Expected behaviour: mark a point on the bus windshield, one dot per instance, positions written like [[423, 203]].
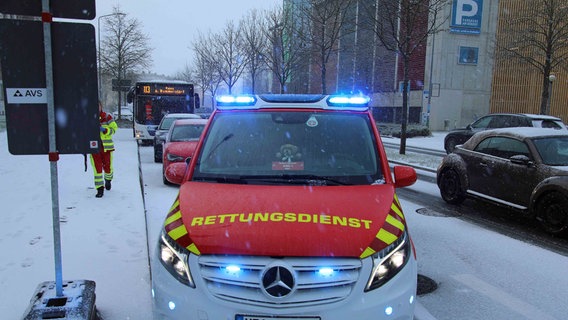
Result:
[[151, 100]]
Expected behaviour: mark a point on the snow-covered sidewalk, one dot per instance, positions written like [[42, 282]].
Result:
[[103, 240]]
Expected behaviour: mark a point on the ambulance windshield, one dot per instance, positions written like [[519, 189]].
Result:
[[300, 147]]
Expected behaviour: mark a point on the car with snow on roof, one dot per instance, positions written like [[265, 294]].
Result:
[[500, 120], [287, 210], [525, 169]]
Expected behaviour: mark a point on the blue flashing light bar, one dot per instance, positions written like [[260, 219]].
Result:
[[231, 100], [345, 100]]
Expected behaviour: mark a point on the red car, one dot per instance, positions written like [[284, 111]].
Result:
[[181, 141]]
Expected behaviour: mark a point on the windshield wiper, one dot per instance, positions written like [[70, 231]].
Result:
[[236, 179], [309, 179], [227, 137]]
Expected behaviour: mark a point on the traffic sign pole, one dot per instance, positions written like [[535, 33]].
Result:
[[53, 155]]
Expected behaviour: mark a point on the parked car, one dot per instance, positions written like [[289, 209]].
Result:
[[164, 127], [500, 120], [288, 210], [125, 113], [524, 169], [181, 141]]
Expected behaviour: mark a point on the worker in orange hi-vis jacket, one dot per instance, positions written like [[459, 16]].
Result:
[[102, 161]]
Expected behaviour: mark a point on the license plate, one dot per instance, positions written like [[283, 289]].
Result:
[[248, 317]]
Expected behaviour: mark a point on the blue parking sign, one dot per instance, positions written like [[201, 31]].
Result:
[[466, 16]]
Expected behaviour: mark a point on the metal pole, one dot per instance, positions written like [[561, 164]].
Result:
[[551, 79], [430, 87], [53, 155]]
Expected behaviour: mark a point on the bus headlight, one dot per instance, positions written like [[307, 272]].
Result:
[[175, 259], [389, 261]]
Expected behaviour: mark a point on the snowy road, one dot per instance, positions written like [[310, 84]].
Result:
[[481, 274]]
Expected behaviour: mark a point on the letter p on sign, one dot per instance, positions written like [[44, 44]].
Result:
[[465, 8]]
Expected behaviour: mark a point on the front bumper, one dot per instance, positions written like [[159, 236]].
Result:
[[395, 300]]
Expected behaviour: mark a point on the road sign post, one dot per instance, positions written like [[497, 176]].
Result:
[[33, 104]]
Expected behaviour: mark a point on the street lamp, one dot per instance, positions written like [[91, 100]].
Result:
[[551, 79], [99, 45]]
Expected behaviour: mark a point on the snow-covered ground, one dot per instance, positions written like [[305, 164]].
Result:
[[103, 240]]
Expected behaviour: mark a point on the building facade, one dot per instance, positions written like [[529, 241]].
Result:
[[519, 88], [455, 76], [468, 78], [460, 63]]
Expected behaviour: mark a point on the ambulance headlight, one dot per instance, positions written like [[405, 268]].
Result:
[[175, 259], [389, 261]]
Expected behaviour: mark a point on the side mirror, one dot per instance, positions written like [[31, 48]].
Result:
[[521, 159], [404, 176], [175, 172], [130, 95], [196, 100]]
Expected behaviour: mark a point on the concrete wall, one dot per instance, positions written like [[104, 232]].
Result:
[[464, 89]]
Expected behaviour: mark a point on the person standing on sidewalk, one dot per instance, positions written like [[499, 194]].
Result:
[[102, 161]]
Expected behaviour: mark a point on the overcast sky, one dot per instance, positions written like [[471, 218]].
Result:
[[173, 24]]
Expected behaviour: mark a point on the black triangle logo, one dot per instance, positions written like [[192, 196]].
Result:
[[18, 94]]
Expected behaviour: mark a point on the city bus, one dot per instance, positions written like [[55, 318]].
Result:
[[151, 100]]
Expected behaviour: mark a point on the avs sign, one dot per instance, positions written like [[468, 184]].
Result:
[[26, 95], [466, 16]]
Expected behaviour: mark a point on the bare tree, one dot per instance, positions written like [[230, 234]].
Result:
[[125, 49], [255, 43], [206, 72], [286, 49], [229, 54], [327, 18], [537, 36], [403, 26], [186, 74]]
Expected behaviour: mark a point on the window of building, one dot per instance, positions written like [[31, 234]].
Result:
[[468, 55]]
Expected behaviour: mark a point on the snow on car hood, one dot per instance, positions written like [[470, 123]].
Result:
[[183, 148], [346, 221]]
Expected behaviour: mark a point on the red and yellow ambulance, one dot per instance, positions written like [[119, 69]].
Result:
[[287, 210]]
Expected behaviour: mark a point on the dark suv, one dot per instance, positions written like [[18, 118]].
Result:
[[500, 120]]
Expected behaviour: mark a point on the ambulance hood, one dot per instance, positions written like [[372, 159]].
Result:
[[323, 221]]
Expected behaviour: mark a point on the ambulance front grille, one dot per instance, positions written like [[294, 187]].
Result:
[[312, 281]]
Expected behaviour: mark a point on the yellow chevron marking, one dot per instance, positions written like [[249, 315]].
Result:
[[386, 236], [178, 232], [367, 253], [175, 204], [395, 223], [397, 211], [173, 218], [193, 249]]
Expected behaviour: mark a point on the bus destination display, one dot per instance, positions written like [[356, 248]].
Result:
[[164, 89]]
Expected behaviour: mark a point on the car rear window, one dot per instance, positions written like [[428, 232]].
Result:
[[547, 124]]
